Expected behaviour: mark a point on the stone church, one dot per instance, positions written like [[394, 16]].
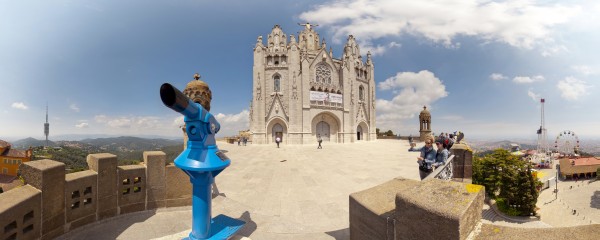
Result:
[[301, 92]]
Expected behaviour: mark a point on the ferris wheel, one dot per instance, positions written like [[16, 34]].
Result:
[[567, 142]]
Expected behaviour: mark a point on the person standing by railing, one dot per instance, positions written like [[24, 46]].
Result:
[[426, 159], [442, 153]]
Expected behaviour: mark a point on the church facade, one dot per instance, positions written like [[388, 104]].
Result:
[[302, 93]]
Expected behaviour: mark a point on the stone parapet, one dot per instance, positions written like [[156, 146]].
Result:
[[179, 190], [463, 161], [20, 213], [80, 198], [410, 209], [105, 165], [54, 203], [585, 232], [155, 162], [445, 210], [132, 188], [49, 177], [372, 210]]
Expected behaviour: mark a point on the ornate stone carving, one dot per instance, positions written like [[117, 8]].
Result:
[[373, 98], [258, 90], [199, 92], [294, 87]]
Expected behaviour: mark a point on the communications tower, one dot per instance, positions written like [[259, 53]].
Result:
[[46, 126], [542, 146]]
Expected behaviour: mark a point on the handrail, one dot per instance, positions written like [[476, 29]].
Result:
[[443, 172]]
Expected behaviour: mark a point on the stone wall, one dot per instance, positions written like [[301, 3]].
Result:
[[435, 209], [53, 203]]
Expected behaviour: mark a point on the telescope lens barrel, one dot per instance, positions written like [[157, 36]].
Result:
[[176, 100]]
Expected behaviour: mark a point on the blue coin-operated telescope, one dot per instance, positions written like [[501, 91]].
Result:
[[202, 161]]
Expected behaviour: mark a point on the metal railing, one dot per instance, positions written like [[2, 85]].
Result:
[[443, 172]]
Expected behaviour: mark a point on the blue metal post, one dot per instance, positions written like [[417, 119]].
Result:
[[201, 205]]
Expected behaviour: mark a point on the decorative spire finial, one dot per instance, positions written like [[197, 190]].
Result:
[[197, 76]]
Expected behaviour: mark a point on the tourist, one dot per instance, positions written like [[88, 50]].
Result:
[[412, 145], [239, 139], [245, 140], [442, 153], [277, 140], [319, 140], [426, 159]]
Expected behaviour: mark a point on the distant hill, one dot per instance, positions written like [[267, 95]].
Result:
[[505, 144], [128, 144], [129, 150], [25, 143]]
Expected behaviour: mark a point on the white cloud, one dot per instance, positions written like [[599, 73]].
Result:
[[572, 89], [584, 69], [74, 107], [523, 24], [497, 76], [82, 125], [534, 96], [19, 105], [452, 118], [415, 90], [231, 124], [178, 121], [521, 79]]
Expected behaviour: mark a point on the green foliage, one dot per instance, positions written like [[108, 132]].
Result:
[[505, 208], [598, 174], [507, 177], [75, 158], [389, 133], [377, 131]]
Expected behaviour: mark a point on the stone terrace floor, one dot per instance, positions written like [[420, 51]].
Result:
[[294, 192], [291, 192]]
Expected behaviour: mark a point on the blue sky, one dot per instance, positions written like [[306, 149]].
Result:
[[480, 66]]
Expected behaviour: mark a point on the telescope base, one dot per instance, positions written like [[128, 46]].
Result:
[[222, 227]]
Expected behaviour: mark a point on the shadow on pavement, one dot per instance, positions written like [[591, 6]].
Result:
[[249, 227], [341, 234], [109, 228], [595, 201]]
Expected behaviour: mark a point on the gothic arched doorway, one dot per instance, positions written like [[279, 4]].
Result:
[[277, 132], [323, 130], [359, 133]]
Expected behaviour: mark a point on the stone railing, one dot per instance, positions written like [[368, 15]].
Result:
[[436, 209], [443, 172], [53, 203]]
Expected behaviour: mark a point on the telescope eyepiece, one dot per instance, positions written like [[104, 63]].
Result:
[[167, 94], [176, 100]]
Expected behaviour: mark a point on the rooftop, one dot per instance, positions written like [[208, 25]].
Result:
[[294, 192]]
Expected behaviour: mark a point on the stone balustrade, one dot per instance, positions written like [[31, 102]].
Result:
[[443, 172], [53, 203], [437, 209]]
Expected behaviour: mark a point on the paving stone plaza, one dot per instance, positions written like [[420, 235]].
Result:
[[301, 192]]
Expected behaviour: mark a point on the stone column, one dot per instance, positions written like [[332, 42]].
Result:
[[105, 165], [49, 177], [155, 173], [463, 162], [437, 209]]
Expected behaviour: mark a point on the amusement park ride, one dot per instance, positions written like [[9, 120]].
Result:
[[566, 144], [542, 157]]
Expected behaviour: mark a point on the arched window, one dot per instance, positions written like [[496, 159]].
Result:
[[323, 73], [277, 83], [361, 93]]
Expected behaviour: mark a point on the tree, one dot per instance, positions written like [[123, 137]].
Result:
[[389, 133], [509, 180], [377, 131]]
